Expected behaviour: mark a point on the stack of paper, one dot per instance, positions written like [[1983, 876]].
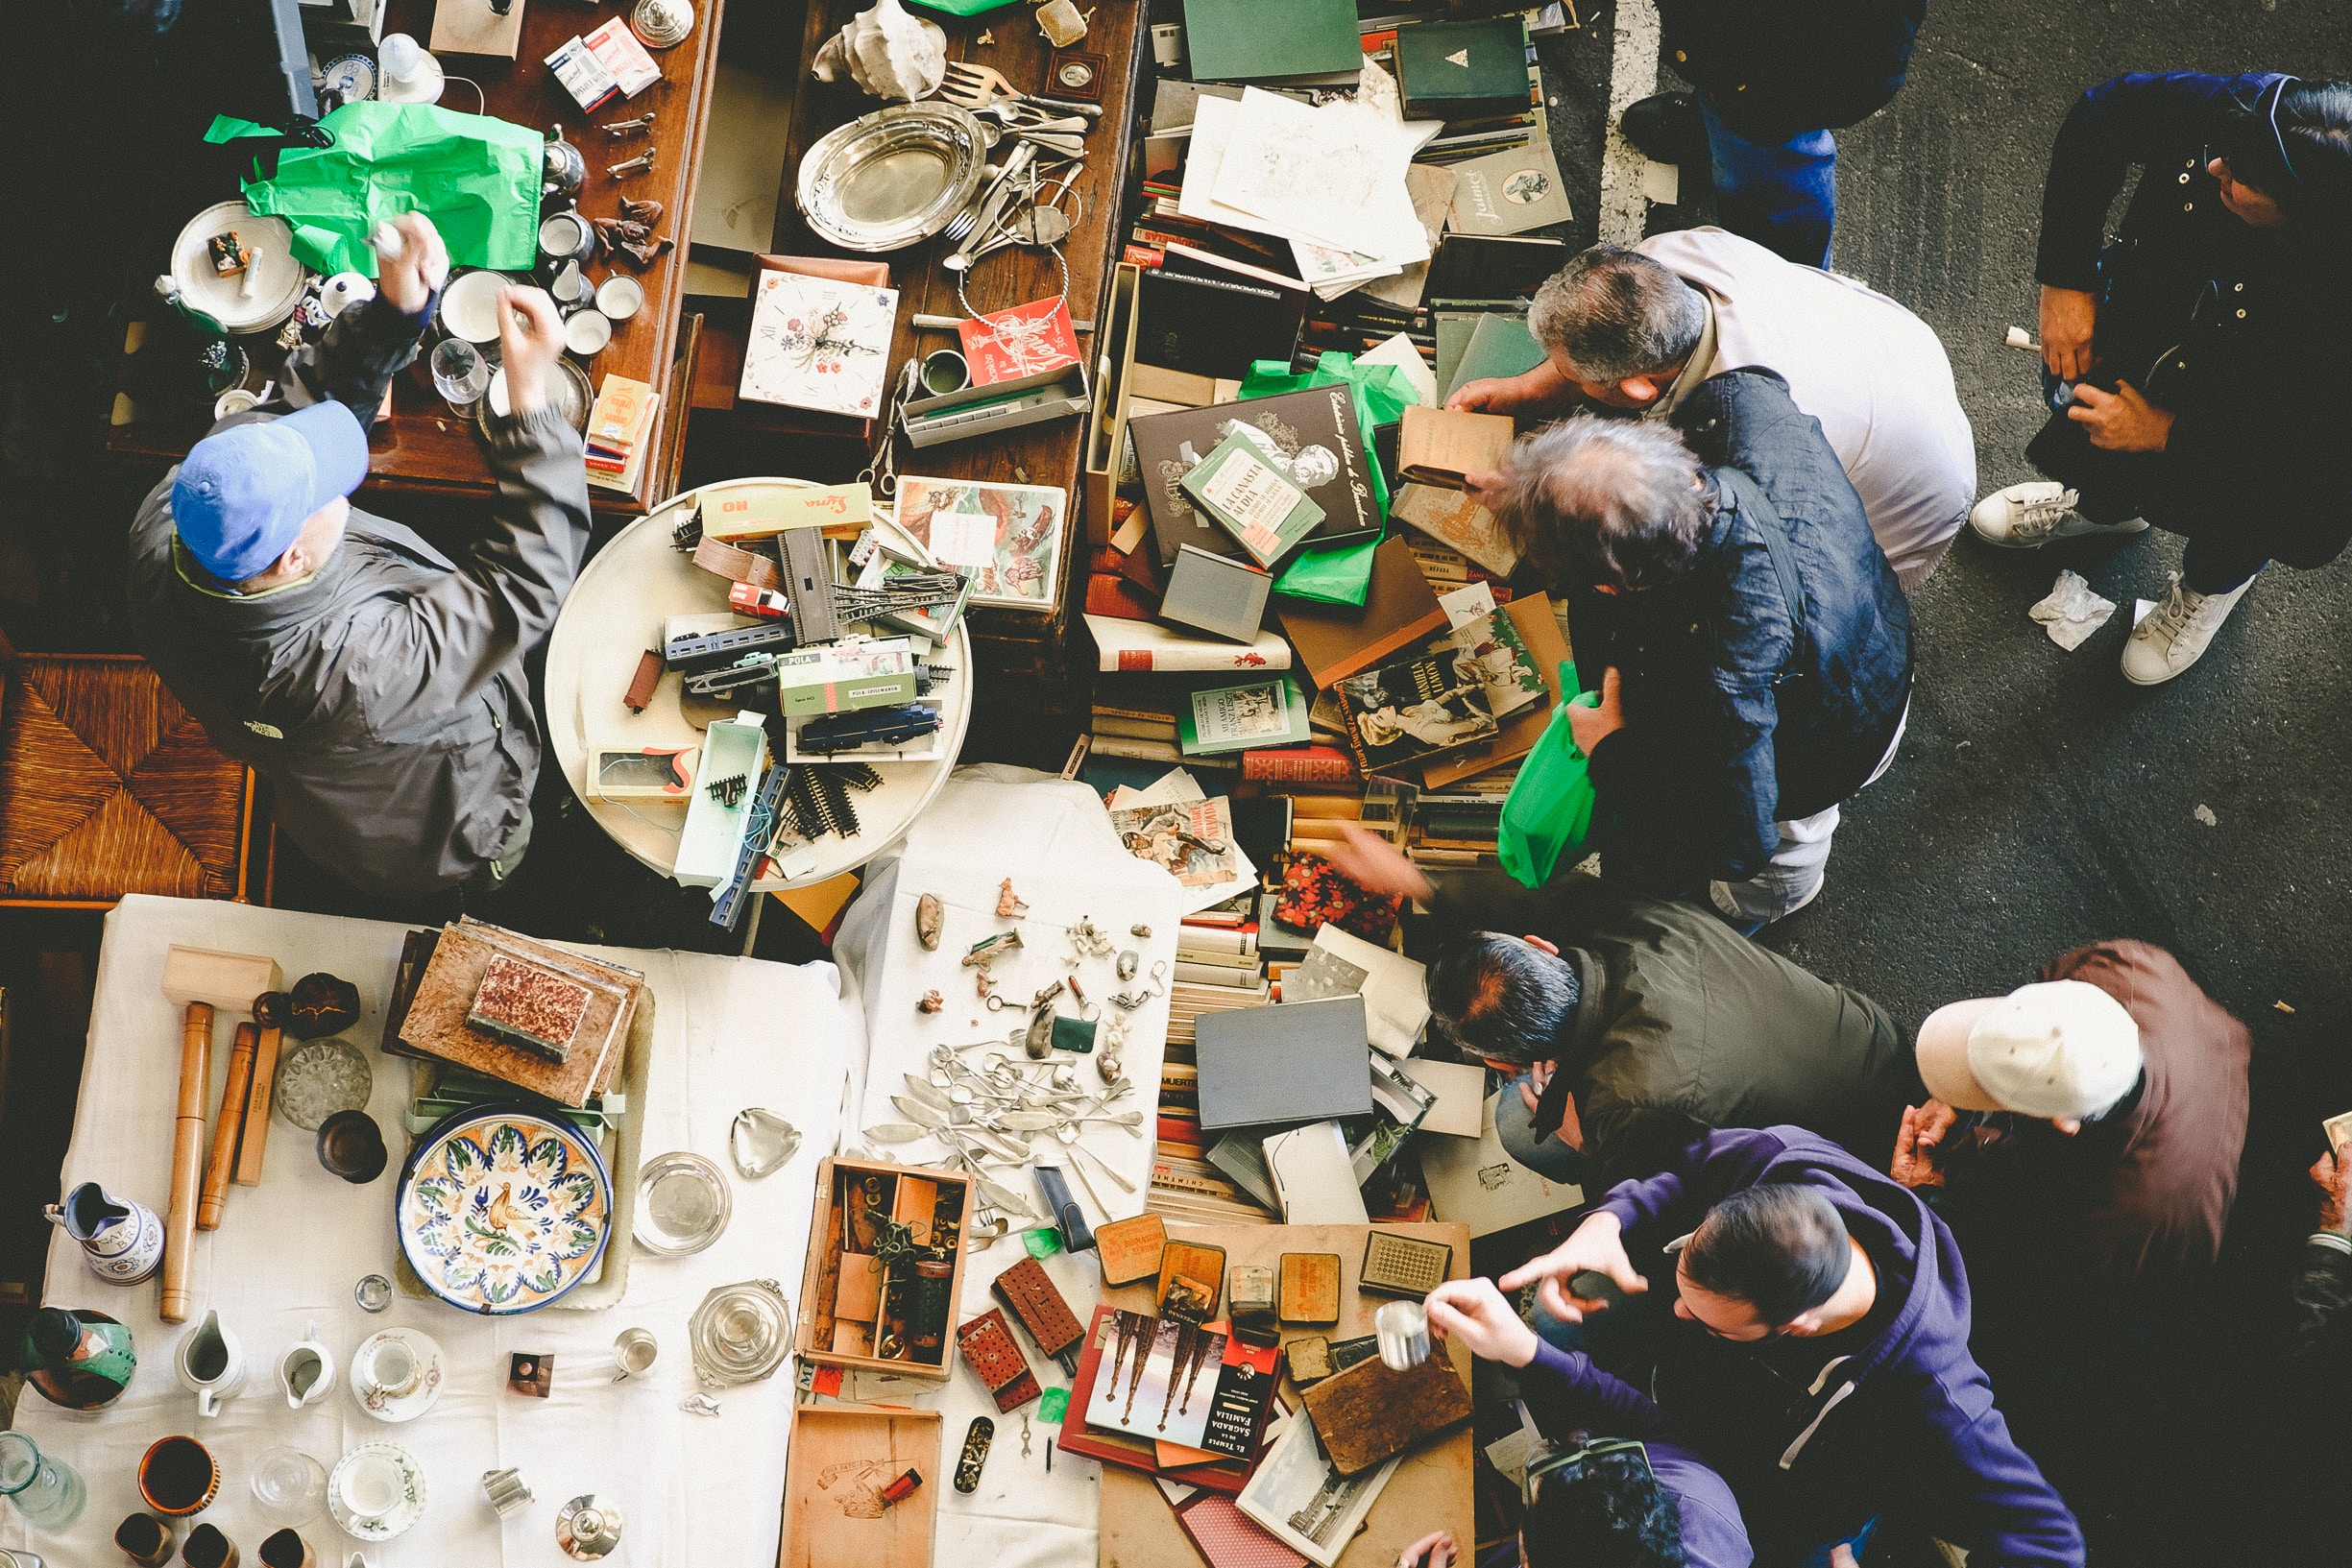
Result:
[[1236, 873]]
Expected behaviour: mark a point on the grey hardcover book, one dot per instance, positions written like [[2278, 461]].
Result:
[[1281, 1065], [1216, 593], [1509, 193]]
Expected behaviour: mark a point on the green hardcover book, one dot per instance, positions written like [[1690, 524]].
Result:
[[1275, 40], [1251, 500], [1499, 347], [1246, 718], [1463, 70]]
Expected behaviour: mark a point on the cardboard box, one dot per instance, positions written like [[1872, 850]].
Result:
[[843, 677], [838, 1325], [839, 1459], [755, 511]]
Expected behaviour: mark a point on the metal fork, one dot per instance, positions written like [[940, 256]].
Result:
[[970, 87]]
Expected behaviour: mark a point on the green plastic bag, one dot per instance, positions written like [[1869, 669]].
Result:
[[1548, 813], [476, 176], [1338, 574]]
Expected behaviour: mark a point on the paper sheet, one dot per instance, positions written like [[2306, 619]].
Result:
[[1334, 174], [1396, 1007], [2071, 612], [1402, 352]]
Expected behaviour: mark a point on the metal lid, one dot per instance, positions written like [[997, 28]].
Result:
[[740, 1332], [588, 1527]]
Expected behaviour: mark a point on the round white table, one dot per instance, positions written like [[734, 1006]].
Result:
[[616, 613]]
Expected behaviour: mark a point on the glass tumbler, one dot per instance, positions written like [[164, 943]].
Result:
[[48, 1492], [460, 374]]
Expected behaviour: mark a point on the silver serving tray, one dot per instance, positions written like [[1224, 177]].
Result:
[[894, 178]]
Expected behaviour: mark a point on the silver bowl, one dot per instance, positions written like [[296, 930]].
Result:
[[894, 178]]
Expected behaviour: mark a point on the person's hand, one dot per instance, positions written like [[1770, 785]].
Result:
[[1435, 1550], [1490, 396], [2123, 421], [1474, 1311], [1539, 1079], [1593, 724], [408, 279], [2069, 316], [2332, 1172], [530, 340], [1490, 487], [1374, 864], [1841, 1556], [1594, 1247], [1922, 1131]]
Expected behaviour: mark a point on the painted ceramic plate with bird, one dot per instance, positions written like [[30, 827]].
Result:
[[502, 1209]]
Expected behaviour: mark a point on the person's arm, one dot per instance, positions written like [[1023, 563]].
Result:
[[365, 346], [1540, 391], [1696, 813], [1983, 1492], [1564, 1392], [2111, 127], [2324, 1290], [1705, 1172], [438, 646]]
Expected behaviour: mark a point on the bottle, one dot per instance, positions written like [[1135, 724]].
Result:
[[48, 1492], [78, 1359]]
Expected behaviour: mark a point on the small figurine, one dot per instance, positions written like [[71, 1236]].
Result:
[[929, 918], [933, 1002], [319, 1006], [228, 251], [1128, 961], [984, 982], [1139, 928], [1038, 1039], [1008, 906], [990, 947]]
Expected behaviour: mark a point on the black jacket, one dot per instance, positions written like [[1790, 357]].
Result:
[[1733, 721], [2240, 332], [1774, 71]]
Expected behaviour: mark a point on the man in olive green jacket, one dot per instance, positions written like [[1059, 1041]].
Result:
[[1644, 1023]]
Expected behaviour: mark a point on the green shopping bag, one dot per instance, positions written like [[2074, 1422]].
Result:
[[476, 176], [1338, 574], [1548, 813]]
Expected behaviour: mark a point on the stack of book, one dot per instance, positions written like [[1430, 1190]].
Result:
[[620, 432], [510, 1009]]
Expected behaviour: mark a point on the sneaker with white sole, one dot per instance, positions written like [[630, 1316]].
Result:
[[2177, 631], [2025, 516]]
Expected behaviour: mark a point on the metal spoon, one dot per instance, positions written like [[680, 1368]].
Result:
[[1069, 1137]]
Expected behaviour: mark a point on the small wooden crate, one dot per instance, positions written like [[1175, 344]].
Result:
[[843, 1303], [841, 1458]]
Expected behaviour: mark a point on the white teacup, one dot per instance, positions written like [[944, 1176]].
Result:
[[371, 1486], [390, 1367]]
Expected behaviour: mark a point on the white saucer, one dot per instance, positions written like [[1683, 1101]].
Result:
[[430, 82], [401, 1517], [419, 1399]]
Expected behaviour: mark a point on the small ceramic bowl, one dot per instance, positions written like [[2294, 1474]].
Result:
[[620, 297], [587, 331]]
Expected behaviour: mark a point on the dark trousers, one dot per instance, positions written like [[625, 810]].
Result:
[[1782, 195]]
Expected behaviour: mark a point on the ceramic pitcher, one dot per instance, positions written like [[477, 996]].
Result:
[[121, 1241], [211, 1364], [306, 1371]]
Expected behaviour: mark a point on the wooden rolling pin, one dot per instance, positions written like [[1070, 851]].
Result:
[[187, 1158], [226, 1128]]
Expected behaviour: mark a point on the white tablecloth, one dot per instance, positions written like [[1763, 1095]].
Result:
[[1055, 841], [698, 1491]]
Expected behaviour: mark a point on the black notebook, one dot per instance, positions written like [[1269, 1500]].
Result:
[[1213, 328]]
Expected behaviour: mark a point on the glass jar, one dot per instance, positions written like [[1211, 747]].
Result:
[[740, 1332], [48, 1492]]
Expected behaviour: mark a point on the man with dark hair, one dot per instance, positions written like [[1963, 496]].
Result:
[[1638, 330], [1819, 1338], [1751, 646], [2163, 352], [1641, 1023]]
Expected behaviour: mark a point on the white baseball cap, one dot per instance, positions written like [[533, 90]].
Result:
[[2060, 1049]]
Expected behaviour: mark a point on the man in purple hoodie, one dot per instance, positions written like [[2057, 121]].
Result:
[[1820, 1342]]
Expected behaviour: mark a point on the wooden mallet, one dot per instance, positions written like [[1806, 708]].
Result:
[[199, 980]]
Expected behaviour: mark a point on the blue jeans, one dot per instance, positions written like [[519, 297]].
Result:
[[1783, 196], [1514, 1128]]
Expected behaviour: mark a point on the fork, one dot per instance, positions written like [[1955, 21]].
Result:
[[971, 86]]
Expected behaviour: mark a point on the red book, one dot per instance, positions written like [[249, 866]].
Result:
[[1022, 341], [1108, 594], [1300, 764], [1178, 1129]]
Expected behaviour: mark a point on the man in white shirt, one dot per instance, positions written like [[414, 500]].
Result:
[[1638, 329]]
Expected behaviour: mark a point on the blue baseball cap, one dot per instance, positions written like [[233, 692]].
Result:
[[243, 493]]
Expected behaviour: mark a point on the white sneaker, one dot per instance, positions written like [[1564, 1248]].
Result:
[[2029, 516], [2176, 632]]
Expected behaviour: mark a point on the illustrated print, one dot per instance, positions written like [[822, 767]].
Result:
[[1526, 186]]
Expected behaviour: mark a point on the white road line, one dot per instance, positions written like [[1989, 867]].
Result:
[[1632, 76]]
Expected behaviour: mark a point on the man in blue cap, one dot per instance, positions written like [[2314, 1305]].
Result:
[[376, 684]]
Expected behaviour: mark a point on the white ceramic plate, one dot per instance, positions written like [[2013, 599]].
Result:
[[278, 277], [469, 305], [417, 1400], [404, 1511]]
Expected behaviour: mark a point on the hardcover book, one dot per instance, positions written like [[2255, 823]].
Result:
[[819, 343], [1236, 717], [1007, 538], [1272, 41], [1509, 193], [1315, 443], [1239, 485], [1463, 70], [1399, 609], [1449, 695]]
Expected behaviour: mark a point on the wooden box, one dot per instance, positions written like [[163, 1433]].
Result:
[[841, 1458], [846, 1303], [1106, 425]]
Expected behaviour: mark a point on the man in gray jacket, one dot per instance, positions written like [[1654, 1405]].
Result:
[[1650, 1021], [376, 684]]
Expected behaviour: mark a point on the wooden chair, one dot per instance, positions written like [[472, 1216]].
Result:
[[107, 787]]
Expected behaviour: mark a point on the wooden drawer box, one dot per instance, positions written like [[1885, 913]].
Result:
[[842, 1456], [852, 1308]]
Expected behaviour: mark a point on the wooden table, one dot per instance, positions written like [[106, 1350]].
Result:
[[422, 449], [1023, 659], [1434, 1488]]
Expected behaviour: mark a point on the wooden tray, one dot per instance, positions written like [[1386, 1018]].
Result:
[[840, 1456]]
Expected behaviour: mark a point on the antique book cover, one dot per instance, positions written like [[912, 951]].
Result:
[[1191, 840], [1399, 609], [1024, 340], [434, 1024], [1007, 538], [1237, 717], [1453, 694], [1371, 1412], [819, 344], [1239, 485], [1311, 436], [1509, 193]]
